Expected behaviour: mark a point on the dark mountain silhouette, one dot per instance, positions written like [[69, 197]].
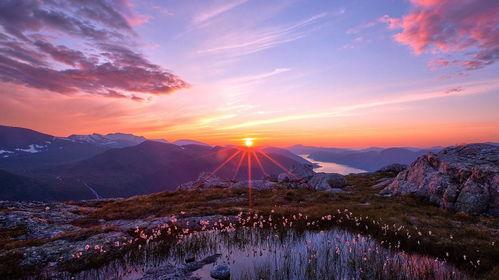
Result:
[[15, 187], [306, 150], [85, 167], [151, 167], [23, 149], [111, 140], [154, 166], [183, 142], [12, 138], [286, 153], [369, 160]]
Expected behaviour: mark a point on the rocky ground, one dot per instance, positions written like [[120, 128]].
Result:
[[462, 178], [54, 239]]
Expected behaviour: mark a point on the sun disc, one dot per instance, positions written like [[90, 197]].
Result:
[[248, 142]]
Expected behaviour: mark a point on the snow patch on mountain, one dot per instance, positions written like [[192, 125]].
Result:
[[33, 148]]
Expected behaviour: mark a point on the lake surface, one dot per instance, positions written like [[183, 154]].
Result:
[[331, 167], [269, 254]]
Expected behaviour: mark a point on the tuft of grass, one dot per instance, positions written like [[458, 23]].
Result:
[[455, 233], [471, 235]]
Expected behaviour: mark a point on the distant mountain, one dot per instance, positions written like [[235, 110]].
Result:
[[14, 139], [306, 150], [370, 160], [15, 187], [154, 166], [286, 153], [183, 142], [492, 143], [111, 140], [23, 149]]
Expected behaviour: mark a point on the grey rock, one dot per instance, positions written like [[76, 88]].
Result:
[[190, 258], [303, 171], [382, 183], [283, 178], [335, 190], [395, 167], [462, 178], [220, 272], [326, 181], [207, 180], [180, 272], [255, 184]]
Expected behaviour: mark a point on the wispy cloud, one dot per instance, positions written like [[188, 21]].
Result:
[[475, 88], [247, 42], [212, 12], [256, 78]]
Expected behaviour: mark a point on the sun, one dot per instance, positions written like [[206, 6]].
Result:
[[248, 142]]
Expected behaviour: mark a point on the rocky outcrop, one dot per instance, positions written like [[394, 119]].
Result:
[[53, 239], [382, 183], [207, 180], [303, 171], [179, 272], [395, 168], [298, 177], [220, 272], [327, 181], [300, 172], [462, 178]]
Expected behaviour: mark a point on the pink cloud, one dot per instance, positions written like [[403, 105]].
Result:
[[31, 53], [137, 20], [393, 23], [468, 28]]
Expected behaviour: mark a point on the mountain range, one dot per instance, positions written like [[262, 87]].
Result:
[[369, 159], [38, 166]]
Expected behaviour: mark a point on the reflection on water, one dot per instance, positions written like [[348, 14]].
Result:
[[271, 254], [331, 167]]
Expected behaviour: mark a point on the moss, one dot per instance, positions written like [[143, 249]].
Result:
[[471, 235]]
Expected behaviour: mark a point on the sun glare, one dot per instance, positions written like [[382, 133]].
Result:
[[248, 142]]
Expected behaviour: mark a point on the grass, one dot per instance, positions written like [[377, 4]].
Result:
[[471, 235], [455, 233]]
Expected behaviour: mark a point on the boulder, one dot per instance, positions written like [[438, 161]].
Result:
[[335, 190], [206, 180], [190, 258], [382, 183], [395, 168], [462, 178], [283, 177], [299, 172], [221, 272], [326, 181], [303, 171], [255, 184]]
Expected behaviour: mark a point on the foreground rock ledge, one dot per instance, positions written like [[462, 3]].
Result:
[[462, 178]]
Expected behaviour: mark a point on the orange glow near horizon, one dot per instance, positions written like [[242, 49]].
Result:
[[248, 154], [248, 142]]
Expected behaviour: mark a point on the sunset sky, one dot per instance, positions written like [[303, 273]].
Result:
[[329, 73]]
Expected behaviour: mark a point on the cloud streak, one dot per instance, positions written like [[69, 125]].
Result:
[[476, 88], [245, 43], [215, 11], [99, 59]]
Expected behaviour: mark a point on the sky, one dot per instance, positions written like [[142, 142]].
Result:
[[325, 73]]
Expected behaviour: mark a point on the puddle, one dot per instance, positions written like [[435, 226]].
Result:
[[271, 254]]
